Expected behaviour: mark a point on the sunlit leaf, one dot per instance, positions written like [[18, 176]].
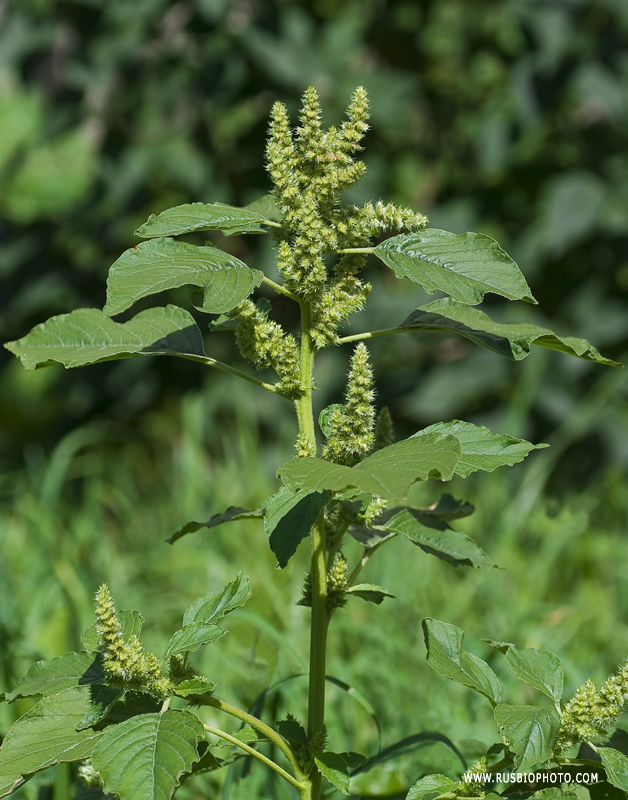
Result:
[[46, 735], [87, 336], [530, 732], [211, 607], [538, 668], [510, 340], [446, 656], [144, 757], [481, 449], [203, 217], [464, 266], [616, 767], [430, 784], [370, 592], [63, 672], [388, 473], [190, 637], [335, 769]]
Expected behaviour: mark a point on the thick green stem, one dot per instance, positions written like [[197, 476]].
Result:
[[318, 567]]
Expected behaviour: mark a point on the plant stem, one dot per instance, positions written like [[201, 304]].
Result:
[[258, 725], [256, 754], [281, 289], [349, 250], [318, 568], [356, 337], [212, 362]]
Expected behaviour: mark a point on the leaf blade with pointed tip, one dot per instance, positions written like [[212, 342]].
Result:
[[370, 592], [446, 656], [513, 341], [144, 757], [530, 732], [60, 673], [161, 264], [211, 607], [231, 514], [465, 266], [289, 519], [203, 217], [131, 622], [430, 783], [190, 637], [388, 473], [87, 336], [335, 769], [436, 537], [481, 449], [538, 668], [616, 767]]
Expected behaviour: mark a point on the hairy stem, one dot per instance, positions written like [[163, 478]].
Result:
[[281, 289], [256, 754]]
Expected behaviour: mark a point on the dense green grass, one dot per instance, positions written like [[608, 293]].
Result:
[[101, 505]]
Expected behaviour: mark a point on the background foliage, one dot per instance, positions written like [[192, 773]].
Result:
[[507, 117]]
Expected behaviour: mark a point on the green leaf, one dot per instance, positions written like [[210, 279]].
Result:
[[203, 217], [46, 735], [231, 514], [430, 784], [446, 656], [553, 794], [538, 668], [510, 340], [161, 264], [388, 473], [63, 672], [289, 518], [436, 537], [87, 336], [464, 266], [324, 418], [131, 622], [144, 757], [103, 700], [190, 637], [198, 685], [370, 592], [448, 508], [616, 767], [480, 447], [335, 769], [530, 732], [211, 607]]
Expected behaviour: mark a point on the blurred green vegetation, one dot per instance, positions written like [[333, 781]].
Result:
[[503, 116]]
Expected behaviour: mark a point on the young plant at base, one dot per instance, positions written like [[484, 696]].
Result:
[[110, 702]]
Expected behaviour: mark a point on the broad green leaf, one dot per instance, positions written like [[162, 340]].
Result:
[[510, 340], [324, 418], [203, 217], [530, 732], [616, 767], [388, 473], [161, 264], [231, 514], [446, 656], [553, 794], [538, 668], [131, 622], [480, 447], [291, 730], [144, 757], [87, 336], [46, 735], [63, 672], [211, 607], [370, 592], [464, 266], [289, 519], [198, 685], [335, 769], [190, 637], [436, 537], [430, 784]]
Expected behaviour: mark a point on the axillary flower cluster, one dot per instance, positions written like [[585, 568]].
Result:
[[591, 714], [319, 242]]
